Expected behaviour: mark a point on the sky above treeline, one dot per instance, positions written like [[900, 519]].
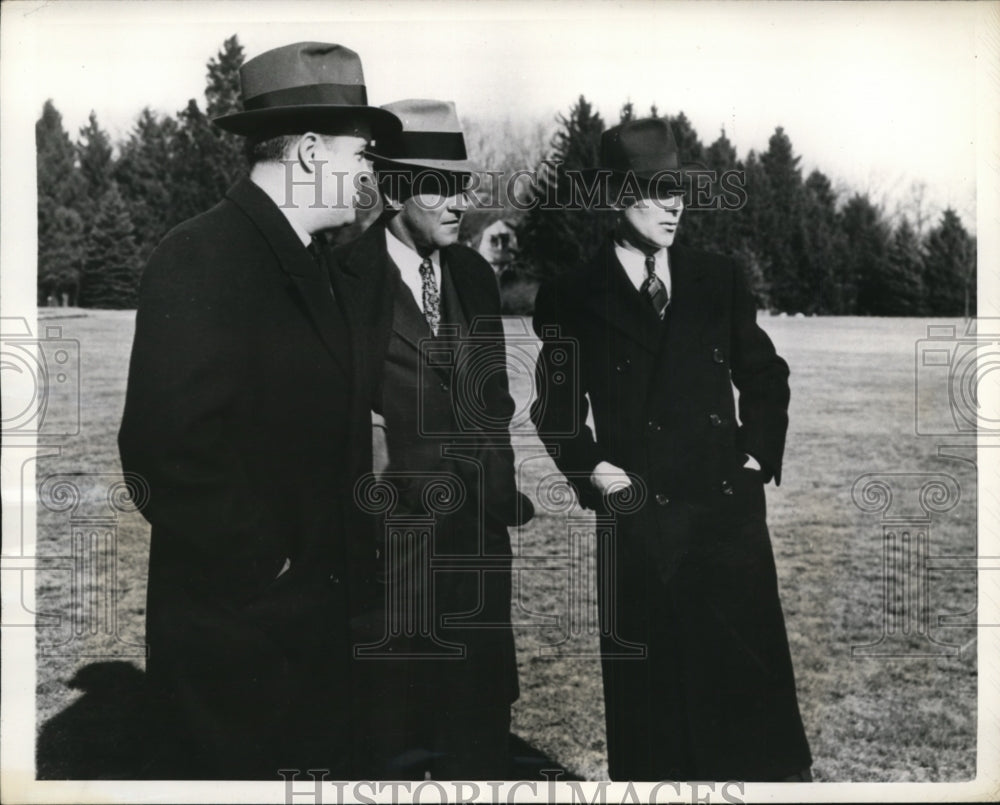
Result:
[[879, 96]]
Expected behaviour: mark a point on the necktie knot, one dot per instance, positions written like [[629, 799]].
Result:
[[650, 265]]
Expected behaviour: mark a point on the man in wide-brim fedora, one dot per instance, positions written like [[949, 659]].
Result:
[[697, 673], [245, 406], [441, 669]]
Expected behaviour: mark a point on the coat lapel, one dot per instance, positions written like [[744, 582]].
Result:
[[307, 280], [613, 297]]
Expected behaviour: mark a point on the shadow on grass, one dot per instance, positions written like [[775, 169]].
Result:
[[101, 736]]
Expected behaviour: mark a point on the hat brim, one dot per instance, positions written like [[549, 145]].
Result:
[[461, 166], [297, 119]]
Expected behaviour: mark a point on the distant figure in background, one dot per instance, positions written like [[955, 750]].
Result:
[[246, 412], [498, 245], [430, 709], [663, 334]]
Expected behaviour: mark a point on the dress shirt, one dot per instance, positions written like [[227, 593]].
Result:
[[408, 262], [634, 263]]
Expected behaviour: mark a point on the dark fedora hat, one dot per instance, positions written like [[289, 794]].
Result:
[[308, 85], [644, 154], [431, 139]]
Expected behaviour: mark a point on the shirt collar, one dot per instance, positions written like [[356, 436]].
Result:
[[403, 255], [634, 261]]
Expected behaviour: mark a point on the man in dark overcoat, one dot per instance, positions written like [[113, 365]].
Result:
[[244, 415], [663, 334], [441, 670]]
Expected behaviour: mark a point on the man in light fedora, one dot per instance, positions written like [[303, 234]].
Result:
[[706, 689], [245, 401], [442, 674]]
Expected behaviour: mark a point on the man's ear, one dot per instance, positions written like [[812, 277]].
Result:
[[307, 152]]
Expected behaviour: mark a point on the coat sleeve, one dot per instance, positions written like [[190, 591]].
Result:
[[560, 409], [505, 503], [186, 382], [761, 376]]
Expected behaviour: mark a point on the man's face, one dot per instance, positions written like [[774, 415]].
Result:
[[652, 222], [343, 173], [432, 219]]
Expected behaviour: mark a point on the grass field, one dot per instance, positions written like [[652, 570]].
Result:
[[868, 718]]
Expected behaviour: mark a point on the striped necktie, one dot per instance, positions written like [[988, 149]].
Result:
[[654, 290], [432, 298]]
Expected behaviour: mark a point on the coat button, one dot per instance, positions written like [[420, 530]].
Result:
[[652, 424], [715, 419], [717, 356], [727, 488], [662, 499], [334, 579], [445, 387]]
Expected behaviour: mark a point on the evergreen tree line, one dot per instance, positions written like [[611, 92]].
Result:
[[102, 210], [804, 249], [101, 213]]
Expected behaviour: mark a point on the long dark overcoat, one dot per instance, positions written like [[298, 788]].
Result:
[[692, 572], [247, 416]]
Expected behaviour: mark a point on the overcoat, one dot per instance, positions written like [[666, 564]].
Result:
[[246, 418], [447, 409], [692, 583]]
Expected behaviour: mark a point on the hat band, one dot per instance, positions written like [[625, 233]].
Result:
[[427, 145], [310, 95]]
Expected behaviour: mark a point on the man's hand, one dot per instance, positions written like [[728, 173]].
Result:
[[380, 448], [607, 478]]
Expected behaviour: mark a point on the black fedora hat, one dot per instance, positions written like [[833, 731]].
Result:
[[307, 85], [431, 139], [642, 155]]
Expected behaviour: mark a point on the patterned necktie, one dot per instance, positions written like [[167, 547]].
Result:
[[654, 289], [432, 298]]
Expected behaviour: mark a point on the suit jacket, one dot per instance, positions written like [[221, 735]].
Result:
[[447, 408], [246, 415], [444, 409]]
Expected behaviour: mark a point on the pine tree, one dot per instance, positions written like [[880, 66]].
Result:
[[96, 158], [867, 245], [903, 281], [823, 268], [111, 267], [61, 195], [222, 93], [142, 173], [720, 228], [949, 268], [779, 213], [555, 240]]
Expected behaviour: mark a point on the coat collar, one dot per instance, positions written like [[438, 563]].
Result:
[[367, 260], [610, 294], [305, 276]]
